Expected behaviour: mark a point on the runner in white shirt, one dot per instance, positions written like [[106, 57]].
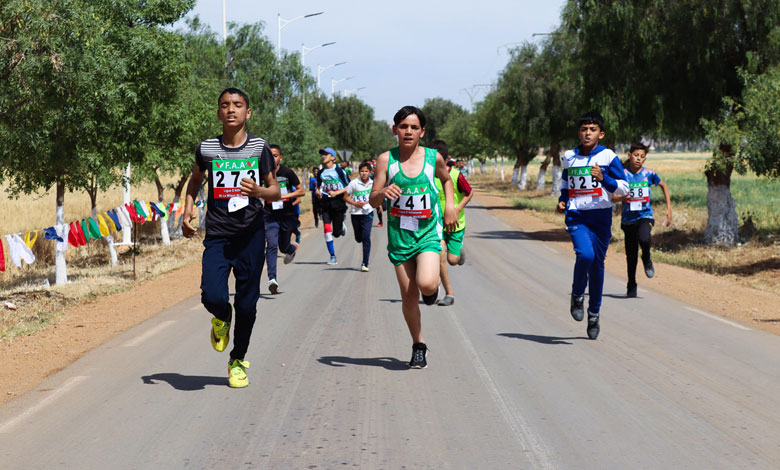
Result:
[[361, 211]]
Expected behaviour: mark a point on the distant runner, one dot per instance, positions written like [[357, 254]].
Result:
[[452, 243], [331, 185], [358, 192]]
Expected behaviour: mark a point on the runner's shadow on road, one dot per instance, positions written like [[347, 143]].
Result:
[[619, 297], [557, 235], [342, 269], [392, 301], [186, 383], [541, 339], [310, 262], [389, 363]]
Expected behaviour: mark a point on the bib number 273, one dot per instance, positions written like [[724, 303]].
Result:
[[228, 174]]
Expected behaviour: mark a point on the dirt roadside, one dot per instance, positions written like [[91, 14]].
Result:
[[30, 359]]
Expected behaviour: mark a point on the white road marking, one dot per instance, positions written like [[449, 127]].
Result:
[[536, 450], [69, 384], [152, 331], [715, 317]]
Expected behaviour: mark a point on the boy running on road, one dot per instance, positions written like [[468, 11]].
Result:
[[637, 214], [586, 192], [238, 164], [452, 243], [331, 185], [358, 191], [281, 219], [405, 175]]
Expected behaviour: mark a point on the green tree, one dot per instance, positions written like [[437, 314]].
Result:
[[678, 60], [381, 138], [74, 88], [438, 112], [512, 115], [299, 134], [465, 140]]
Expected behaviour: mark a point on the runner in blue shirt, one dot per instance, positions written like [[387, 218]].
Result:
[[637, 215]]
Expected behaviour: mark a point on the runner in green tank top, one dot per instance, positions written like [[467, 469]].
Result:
[[405, 176]]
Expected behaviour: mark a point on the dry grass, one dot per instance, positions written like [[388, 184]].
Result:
[[89, 270]]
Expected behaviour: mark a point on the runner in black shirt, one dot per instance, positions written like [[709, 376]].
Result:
[[238, 164], [281, 219]]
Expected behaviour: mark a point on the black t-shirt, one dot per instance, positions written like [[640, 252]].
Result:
[[226, 167], [286, 179]]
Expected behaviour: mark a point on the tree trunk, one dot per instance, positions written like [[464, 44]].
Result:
[[126, 231], [202, 212], [482, 168], [502, 167], [722, 222], [521, 184], [543, 171], [555, 152], [61, 268]]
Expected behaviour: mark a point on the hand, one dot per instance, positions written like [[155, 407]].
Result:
[[668, 221], [561, 207], [596, 172], [392, 192], [618, 198], [450, 219], [186, 228], [249, 188]]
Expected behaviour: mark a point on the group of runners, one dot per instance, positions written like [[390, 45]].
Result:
[[253, 207]]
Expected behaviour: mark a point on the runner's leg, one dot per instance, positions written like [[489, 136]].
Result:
[[632, 247], [406, 273], [366, 221], [271, 244], [214, 278], [644, 227], [247, 271], [445, 276]]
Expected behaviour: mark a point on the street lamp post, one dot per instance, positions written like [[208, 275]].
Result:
[[354, 90], [333, 83], [224, 23], [321, 69], [305, 50], [281, 23]]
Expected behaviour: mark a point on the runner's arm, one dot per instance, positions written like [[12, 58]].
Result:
[[464, 187], [450, 215], [668, 197], [193, 186], [379, 191]]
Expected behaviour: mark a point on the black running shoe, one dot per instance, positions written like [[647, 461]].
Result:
[[577, 307], [649, 269], [418, 356], [593, 326], [631, 291], [431, 299]]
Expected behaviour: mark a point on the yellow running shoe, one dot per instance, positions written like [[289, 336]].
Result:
[[237, 373], [220, 334]]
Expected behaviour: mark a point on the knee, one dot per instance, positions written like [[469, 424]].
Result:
[[452, 259], [214, 303]]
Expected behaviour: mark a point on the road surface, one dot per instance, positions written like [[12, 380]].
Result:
[[512, 382]]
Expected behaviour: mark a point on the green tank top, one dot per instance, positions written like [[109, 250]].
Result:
[[415, 219], [457, 196]]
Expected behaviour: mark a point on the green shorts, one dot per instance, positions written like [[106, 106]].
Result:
[[400, 258], [454, 241]]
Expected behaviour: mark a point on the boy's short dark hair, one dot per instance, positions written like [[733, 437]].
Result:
[[592, 117], [274, 146], [407, 111], [234, 91], [364, 165], [638, 146], [441, 147]]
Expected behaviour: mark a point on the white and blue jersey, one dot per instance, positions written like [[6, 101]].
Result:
[[637, 204], [580, 190]]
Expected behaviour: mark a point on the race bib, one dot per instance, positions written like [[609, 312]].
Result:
[[582, 183], [415, 204], [276, 205], [638, 192], [227, 176], [361, 196], [332, 185]]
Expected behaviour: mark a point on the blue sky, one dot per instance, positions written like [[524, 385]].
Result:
[[401, 52]]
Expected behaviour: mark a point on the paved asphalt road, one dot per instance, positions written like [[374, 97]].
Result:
[[512, 381]]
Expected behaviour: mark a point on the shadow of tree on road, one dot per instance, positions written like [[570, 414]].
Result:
[[389, 363], [556, 235], [185, 382], [541, 339]]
